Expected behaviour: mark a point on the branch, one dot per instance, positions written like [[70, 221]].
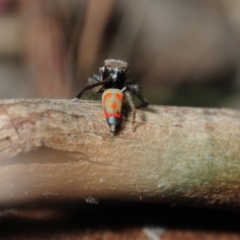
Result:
[[176, 155]]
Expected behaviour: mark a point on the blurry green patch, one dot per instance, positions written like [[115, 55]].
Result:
[[196, 96]]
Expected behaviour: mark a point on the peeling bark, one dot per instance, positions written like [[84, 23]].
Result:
[[60, 149]]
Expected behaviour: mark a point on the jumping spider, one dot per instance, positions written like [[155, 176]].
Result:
[[114, 85]]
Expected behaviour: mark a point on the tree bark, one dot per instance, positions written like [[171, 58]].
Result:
[[61, 149]]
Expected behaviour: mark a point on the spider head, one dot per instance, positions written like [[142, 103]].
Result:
[[115, 69]]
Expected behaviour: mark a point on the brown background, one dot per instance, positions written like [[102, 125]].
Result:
[[184, 53]]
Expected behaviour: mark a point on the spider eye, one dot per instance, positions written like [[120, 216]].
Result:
[[107, 69]]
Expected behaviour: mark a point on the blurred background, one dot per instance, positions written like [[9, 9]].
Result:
[[184, 53]]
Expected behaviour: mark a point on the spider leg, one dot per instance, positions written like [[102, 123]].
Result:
[[94, 79], [135, 89], [132, 106], [90, 86]]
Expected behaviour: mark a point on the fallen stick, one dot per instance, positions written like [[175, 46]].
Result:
[[60, 149]]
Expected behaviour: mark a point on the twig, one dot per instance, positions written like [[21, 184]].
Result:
[[176, 155]]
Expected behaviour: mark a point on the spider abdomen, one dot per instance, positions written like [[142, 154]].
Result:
[[112, 100]]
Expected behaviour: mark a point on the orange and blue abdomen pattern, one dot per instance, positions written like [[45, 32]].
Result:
[[112, 100]]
